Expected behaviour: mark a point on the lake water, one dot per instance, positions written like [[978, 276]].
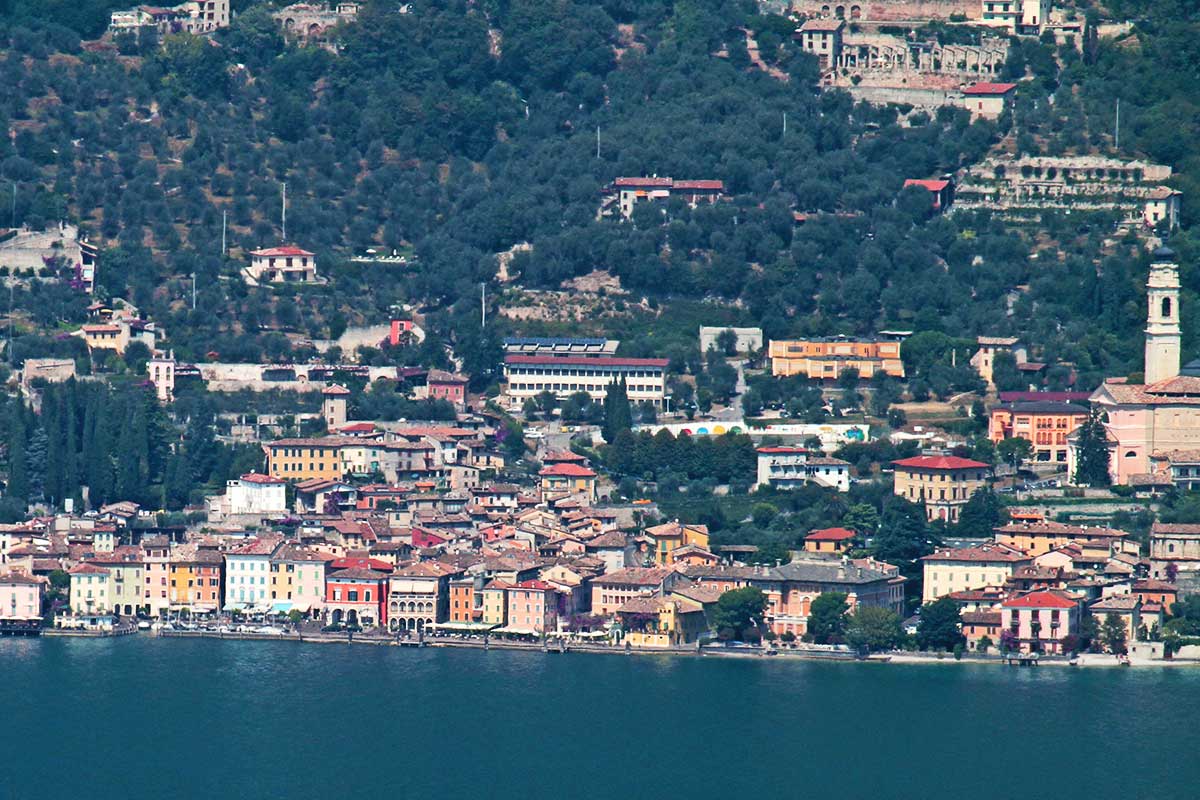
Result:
[[136, 717]]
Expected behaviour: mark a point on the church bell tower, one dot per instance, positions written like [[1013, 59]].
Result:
[[1162, 321]]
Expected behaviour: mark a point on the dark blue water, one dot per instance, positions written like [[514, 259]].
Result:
[[138, 717]]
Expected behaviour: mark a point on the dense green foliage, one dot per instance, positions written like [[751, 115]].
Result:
[[116, 441], [939, 625], [738, 611]]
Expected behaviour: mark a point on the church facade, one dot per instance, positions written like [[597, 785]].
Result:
[[1145, 421]]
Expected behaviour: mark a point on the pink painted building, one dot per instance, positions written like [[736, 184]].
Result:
[[532, 607], [1040, 621], [20, 601], [442, 385]]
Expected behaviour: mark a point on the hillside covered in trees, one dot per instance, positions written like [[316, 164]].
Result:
[[460, 129]]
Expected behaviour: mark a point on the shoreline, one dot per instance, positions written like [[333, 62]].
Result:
[[1090, 660]]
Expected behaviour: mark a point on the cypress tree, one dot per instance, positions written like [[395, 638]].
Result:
[[1091, 467], [618, 416]]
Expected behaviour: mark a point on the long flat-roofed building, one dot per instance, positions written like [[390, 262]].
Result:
[[559, 346], [826, 359], [529, 376]]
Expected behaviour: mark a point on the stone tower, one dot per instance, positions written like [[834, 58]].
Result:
[[334, 406], [1162, 321]]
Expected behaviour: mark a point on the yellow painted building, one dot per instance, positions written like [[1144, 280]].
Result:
[[306, 459], [1039, 538], [943, 484], [965, 568], [662, 621], [663, 540], [826, 359], [495, 603]]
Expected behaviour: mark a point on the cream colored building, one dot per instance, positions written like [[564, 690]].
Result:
[[966, 568], [943, 484], [90, 589]]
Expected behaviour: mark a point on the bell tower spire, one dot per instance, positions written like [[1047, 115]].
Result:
[[1162, 321]]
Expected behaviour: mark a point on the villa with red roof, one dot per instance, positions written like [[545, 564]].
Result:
[[567, 478], [941, 191], [943, 484], [285, 264], [829, 540], [1039, 622]]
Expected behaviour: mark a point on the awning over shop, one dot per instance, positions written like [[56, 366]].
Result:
[[470, 627]]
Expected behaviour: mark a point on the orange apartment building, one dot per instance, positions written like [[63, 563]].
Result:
[[195, 579], [306, 459], [1044, 424], [827, 358], [943, 484]]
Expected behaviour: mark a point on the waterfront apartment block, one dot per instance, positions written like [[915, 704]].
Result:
[[529, 376], [826, 359], [791, 588], [1045, 425], [943, 484], [963, 569]]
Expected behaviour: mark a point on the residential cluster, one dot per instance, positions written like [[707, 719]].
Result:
[[1032, 588], [418, 559]]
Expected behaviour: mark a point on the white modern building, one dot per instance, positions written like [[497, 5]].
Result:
[[529, 376], [790, 467]]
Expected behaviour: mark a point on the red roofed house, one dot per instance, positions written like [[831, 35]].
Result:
[[565, 479], [943, 484], [941, 191], [442, 385], [829, 540], [1038, 622], [988, 100], [286, 264]]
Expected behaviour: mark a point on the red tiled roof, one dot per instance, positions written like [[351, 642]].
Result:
[[830, 535], [653, 181], [989, 89], [257, 477], [1043, 599], [335, 389], [584, 361], [567, 470], [286, 250], [702, 185], [940, 462], [931, 185], [781, 449]]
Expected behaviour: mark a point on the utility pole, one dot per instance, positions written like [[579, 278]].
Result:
[[284, 213], [13, 223], [11, 289], [597, 142], [1117, 127], [224, 215], [193, 291], [785, 123], [482, 306]]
